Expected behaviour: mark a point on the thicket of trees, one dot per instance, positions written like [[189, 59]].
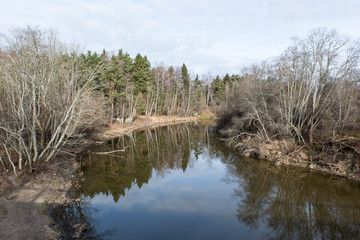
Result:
[[46, 97], [133, 87], [51, 93], [311, 94]]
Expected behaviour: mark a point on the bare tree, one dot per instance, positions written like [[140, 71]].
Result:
[[46, 98], [311, 91], [314, 73]]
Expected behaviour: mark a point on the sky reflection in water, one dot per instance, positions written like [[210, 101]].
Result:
[[181, 183]]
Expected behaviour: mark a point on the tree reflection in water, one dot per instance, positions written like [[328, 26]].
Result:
[[295, 203], [77, 220], [289, 203], [156, 150]]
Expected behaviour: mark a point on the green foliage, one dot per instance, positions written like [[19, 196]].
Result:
[[185, 77], [141, 108], [112, 79], [142, 76], [127, 62], [198, 86], [218, 88], [93, 62], [227, 79], [236, 78]]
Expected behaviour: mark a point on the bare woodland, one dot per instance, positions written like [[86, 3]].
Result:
[[310, 95], [51, 94], [46, 99]]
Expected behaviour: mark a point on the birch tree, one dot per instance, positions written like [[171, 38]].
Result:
[[45, 99]]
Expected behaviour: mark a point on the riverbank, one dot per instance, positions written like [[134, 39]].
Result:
[[340, 157], [26, 200]]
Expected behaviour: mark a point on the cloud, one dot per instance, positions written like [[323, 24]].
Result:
[[209, 36], [179, 192]]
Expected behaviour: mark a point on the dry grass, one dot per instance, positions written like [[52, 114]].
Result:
[[141, 122], [206, 113]]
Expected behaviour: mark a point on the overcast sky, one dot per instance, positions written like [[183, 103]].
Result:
[[216, 36]]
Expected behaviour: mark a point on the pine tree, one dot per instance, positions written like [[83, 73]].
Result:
[[235, 78], [227, 79], [141, 74], [185, 77], [113, 82], [127, 62], [95, 63], [187, 88], [218, 88], [198, 86]]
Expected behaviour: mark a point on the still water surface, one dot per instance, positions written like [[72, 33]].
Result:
[[181, 182]]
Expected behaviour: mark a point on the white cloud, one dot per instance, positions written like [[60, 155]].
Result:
[[179, 192], [209, 36]]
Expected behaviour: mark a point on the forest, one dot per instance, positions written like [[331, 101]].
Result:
[[303, 105]]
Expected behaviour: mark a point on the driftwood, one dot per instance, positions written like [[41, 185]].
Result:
[[110, 152], [349, 142]]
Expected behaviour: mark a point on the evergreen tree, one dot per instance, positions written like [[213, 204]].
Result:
[[218, 88], [187, 89], [95, 63], [113, 82], [227, 79], [198, 86], [185, 77], [198, 94], [126, 62], [141, 74], [236, 78]]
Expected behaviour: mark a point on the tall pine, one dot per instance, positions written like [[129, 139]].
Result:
[[187, 89], [141, 75]]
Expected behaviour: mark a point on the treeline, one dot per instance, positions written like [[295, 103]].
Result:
[[308, 96], [132, 86], [51, 93]]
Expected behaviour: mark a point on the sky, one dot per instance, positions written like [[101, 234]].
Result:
[[209, 36]]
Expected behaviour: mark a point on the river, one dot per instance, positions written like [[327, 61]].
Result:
[[181, 182]]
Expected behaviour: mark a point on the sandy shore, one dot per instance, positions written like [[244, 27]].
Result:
[[141, 122], [25, 201]]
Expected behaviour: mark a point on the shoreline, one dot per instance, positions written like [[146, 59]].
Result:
[[25, 208], [285, 152], [26, 201]]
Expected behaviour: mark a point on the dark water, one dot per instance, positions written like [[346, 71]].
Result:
[[181, 182]]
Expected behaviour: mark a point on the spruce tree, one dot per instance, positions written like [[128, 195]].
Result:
[[141, 74], [186, 90], [227, 79], [218, 88], [185, 77]]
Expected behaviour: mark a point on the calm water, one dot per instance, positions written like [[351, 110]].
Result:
[[180, 182]]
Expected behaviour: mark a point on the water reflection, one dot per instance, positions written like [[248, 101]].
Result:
[[184, 176], [296, 204], [160, 150], [77, 220]]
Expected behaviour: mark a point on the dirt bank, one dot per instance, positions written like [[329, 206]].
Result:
[[141, 122], [340, 158], [25, 200]]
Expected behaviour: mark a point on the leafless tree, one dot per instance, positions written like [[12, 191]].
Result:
[[45, 97], [314, 75], [312, 87]]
